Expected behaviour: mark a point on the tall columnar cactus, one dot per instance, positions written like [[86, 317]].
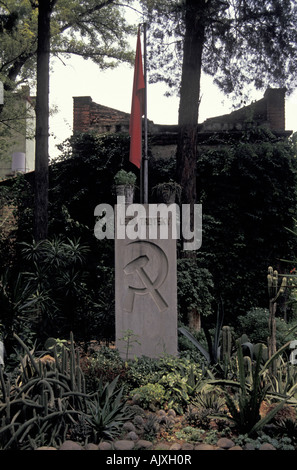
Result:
[[226, 342], [274, 291], [45, 400]]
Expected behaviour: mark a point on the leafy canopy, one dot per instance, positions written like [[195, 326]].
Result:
[[246, 42], [94, 29]]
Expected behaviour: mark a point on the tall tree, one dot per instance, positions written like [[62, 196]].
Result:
[[45, 9], [241, 43], [95, 29], [194, 20]]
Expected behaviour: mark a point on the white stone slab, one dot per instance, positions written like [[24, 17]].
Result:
[[146, 294]]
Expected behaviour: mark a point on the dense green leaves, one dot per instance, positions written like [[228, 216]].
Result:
[[246, 42], [248, 194], [92, 29]]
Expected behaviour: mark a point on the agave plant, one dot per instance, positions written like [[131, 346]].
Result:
[[211, 355], [244, 405], [108, 411]]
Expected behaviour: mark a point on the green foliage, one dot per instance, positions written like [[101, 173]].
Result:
[[209, 399], [245, 32], [81, 179], [89, 30], [287, 427], [107, 411], [244, 405], [151, 427], [104, 366], [279, 443], [194, 289], [19, 302], [57, 268], [255, 325], [89, 163], [284, 382], [142, 370], [212, 354], [129, 338], [46, 401], [124, 177], [240, 187], [190, 434], [180, 378], [150, 396]]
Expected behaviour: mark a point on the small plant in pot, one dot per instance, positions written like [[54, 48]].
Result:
[[125, 184], [168, 192]]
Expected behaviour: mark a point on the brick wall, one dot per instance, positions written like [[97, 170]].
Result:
[[88, 116], [268, 111], [275, 101]]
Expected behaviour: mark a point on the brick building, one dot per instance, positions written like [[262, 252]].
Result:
[[268, 112]]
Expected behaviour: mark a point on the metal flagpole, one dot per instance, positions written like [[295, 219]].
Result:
[[145, 156]]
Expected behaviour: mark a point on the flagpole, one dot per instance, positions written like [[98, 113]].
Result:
[[145, 156]]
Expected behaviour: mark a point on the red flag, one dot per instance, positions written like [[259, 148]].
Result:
[[137, 108]]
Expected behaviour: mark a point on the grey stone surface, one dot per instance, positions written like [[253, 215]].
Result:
[[249, 446], [143, 444], [187, 446], [124, 444], [46, 448], [145, 288], [204, 447], [175, 446], [128, 426], [225, 443], [132, 435], [70, 445], [91, 446], [105, 446], [267, 446]]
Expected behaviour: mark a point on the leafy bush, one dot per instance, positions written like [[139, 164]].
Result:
[[190, 434], [141, 371], [194, 289], [240, 185], [55, 280], [180, 379], [255, 325], [104, 366], [149, 396]]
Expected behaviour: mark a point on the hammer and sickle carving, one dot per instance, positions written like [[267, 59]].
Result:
[[149, 286]]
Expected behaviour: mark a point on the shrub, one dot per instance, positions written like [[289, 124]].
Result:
[[194, 289], [104, 366], [255, 325], [149, 396], [190, 434]]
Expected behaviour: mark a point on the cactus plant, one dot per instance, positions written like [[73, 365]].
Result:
[[274, 291], [226, 342], [47, 400]]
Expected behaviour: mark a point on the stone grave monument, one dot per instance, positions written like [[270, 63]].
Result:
[[145, 289]]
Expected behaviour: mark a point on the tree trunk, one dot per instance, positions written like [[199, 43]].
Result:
[[42, 122], [186, 155]]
